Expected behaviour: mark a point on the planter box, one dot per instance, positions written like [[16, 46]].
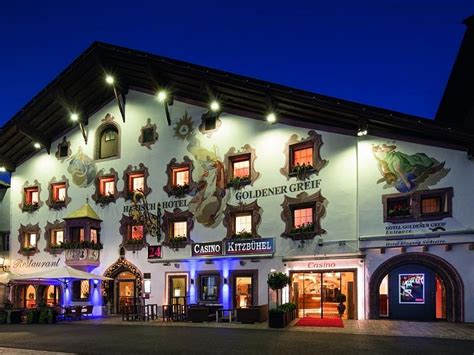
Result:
[[277, 320]]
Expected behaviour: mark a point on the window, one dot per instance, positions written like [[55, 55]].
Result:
[[181, 176], [302, 216], [431, 205], [241, 168], [136, 232], [94, 235], [180, 229], [108, 142], [63, 150], [243, 223], [107, 186], [30, 240], [423, 205], [32, 196], [302, 156], [80, 290], [77, 234], [57, 237], [209, 288], [59, 192], [136, 183]]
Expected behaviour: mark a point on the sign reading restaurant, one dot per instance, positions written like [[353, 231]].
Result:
[[261, 246]]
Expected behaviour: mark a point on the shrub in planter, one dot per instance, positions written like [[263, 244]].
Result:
[[32, 316], [277, 318], [47, 316], [13, 317]]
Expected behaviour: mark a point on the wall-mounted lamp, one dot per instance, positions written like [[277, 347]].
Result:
[[96, 282], [363, 128], [192, 281], [176, 265], [225, 280]]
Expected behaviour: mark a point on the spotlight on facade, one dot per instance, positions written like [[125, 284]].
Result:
[[215, 106], [320, 242], [271, 117], [363, 128], [109, 79], [37, 145], [2, 169], [225, 280], [162, 96], [74, 117]]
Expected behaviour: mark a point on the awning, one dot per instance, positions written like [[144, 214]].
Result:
[[6, 277], [61, 273]]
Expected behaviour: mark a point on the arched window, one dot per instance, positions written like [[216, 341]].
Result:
[[107, 141]]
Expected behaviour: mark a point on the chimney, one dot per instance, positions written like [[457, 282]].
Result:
[[457, 104]]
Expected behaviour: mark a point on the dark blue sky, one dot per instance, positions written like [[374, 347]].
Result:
[[393, 54]]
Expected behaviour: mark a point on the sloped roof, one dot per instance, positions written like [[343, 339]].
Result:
[[81, 88], [85, 211]]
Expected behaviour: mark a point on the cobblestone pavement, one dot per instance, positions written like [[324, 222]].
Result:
[[444, 330], [90, 337]]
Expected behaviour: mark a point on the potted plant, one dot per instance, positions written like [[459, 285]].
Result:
[[302, 171], [179, 190], [238, 182], [341, 307], [180, 241], [243, 235], [30, 206], [104, 200], [277, 281], [302, 232]]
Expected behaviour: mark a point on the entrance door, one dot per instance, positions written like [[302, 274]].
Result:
[[126, 285], [177, 289], [317, 294]]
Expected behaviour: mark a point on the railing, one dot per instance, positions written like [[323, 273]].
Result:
[[140, 312]]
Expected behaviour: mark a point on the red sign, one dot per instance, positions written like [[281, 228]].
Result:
[[154, 252]]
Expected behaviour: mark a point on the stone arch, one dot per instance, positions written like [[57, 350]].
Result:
[[120, 266], [451, 278]]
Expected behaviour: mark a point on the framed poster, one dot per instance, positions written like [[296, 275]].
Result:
[[411, 288]]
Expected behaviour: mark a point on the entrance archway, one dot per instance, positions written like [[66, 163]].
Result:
[[126, 287], [451, 279]]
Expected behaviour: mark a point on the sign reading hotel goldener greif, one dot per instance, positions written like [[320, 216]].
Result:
[[207, 249], [249, 246]]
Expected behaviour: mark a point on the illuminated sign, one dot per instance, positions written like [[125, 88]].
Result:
[[206, 249], [154, 252], [250, 246], [412, 288]]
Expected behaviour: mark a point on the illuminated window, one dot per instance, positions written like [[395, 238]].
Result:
[[431, 205], [180, 229], [107, 186], [59, 192], [94, 235], [30, 240], [80, 290], [302, 216], [136, 232], [76, 234], [303, 156], [57, 237], [137, 183], [181, 176], [241, 168], [32, 195], [209, 288], [243, 223]]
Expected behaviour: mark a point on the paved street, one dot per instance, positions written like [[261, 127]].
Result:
[[121, 339]]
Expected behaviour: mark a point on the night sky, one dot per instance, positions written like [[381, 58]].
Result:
[[392, 54]]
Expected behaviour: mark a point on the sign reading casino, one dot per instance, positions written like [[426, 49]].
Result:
[[206, 249]]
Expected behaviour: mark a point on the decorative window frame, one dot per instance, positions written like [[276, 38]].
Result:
[[131, 170], [313, 140], [176, 216], [229, 218], [303, 200], [29, 228], [141, 138], [202, 125], [169, 188], [125, 223], [53, 205], [48, 231], [29, 208], [64, 143], [446, 195], [232, 156], [107, 121], [105, 200]]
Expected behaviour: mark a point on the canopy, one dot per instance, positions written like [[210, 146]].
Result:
[[6, 277], [61, 273]]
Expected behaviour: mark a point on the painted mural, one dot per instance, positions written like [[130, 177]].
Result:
[[82, 169], [209, 198], [407, 172]]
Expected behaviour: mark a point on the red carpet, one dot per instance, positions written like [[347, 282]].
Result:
[[318, 322]]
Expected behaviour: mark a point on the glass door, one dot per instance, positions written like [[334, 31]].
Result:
[[177, 289], [243, 289], [306, 289], [126, 290]]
